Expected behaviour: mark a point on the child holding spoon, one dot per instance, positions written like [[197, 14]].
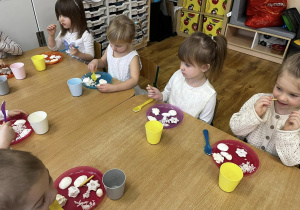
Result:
[[271, 122]]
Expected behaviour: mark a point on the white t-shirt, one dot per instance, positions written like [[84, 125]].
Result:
[[199, 102], [85, 44]]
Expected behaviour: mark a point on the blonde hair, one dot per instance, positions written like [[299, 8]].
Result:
[[121, 29], [19, 171], [291, 65], [73, 9], [200, 49]]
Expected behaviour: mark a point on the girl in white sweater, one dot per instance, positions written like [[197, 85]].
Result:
[[271, 122]]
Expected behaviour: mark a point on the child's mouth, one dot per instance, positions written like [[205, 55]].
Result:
[[282, 104]]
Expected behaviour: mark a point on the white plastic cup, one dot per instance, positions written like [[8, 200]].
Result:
[[75, 86], [114, 183], [39, 122], [18, 70], [4, 88]]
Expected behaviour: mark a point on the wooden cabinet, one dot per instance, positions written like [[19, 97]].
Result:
[[202, 15], [100, 12], [246, 40]]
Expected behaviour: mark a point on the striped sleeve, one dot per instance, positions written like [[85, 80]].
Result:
[[9, 46]]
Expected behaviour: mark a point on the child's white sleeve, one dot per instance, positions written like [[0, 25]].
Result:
[[208, 112], [88, 42], [287, 145], [9, 46], [167, 90], [246, 120]]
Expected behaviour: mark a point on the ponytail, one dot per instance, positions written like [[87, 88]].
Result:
[[220, 55]]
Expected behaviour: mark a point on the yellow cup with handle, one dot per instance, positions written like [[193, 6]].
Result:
[[39, 62], [153, 131], [230, 176]]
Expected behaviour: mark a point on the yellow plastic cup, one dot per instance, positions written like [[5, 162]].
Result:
[[153, 131], [230, 176], [55, 206], [39, 62]]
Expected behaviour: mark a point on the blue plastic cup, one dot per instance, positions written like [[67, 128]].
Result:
[[75, 86]]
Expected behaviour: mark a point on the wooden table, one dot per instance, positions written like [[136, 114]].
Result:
[[174, 174], [48, 91]]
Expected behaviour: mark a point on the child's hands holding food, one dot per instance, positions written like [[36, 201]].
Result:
[[7, 135], [262, 104], [93, 65], [2, 63], [154, 93], [51, 29], [293, 122], [106, 88]]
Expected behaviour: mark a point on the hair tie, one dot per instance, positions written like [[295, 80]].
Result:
[[212, 37], [76, 3]]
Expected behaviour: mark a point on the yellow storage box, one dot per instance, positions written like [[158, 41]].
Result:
[[194, 5], [212, 26], [217, 7], [189, 22]]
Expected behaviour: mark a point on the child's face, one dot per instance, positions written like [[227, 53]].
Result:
[[42, 194], [191, 71], [119, 47], [287, 93], [64, 21]]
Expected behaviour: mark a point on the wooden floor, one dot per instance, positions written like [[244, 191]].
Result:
[[242, 76]]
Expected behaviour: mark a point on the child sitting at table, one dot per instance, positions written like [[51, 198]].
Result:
[[123, 62], [74, 34], [8, 46], [271, 122], [202, 57], [25, 181]]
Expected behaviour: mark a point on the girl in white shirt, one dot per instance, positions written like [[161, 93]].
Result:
[[74, 34], [123, 62], [271, 122], [201, 57]]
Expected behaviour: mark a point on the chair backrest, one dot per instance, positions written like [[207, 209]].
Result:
[[149, 70], [97, 50]]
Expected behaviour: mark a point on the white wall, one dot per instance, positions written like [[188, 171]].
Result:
[[18, 22], [294, 3]]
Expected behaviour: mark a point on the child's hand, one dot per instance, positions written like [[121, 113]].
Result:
[[15, 112], [293, 122], [106, 88], [2, 63], [154, 93], [73, 50], [262, 105], [93, 65], [7, 135], [51, 29]]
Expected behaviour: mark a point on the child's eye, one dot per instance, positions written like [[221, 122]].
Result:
[[278, 88], [293, 95]]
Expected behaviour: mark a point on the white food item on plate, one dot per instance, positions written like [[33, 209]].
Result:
[[150, 118], [73, 191], [24, 133], [45, 56], [174, 120], [247, 167], [58, 57], [172, 113], [241, 152], [99, 192], [223, 147], [98, 75], [101, 82], [80, 180], [88, 81], [166, 114], [65, 182], [86, 194], [54, 60], [47, 61], [155, 111], [86, 205], [226, 155], [93, 185], [62, 200], [218, 157], [52, 56], [20, 122]]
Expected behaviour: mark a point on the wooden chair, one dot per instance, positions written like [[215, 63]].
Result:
[[97, 50], [149, 70]]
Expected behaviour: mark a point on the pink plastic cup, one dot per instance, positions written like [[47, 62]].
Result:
[[18, 70]]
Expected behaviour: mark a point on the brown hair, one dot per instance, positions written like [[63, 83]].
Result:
[[121, 29], [19, 171], [291, 65], [74, 10], [200, 49]]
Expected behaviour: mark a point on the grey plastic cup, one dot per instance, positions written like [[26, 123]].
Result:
[[75, 86], [4, 88], [114, 183]]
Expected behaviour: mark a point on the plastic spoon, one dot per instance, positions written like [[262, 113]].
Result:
[[3, 111], [138, 108], [207, 148], [93, 76]]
